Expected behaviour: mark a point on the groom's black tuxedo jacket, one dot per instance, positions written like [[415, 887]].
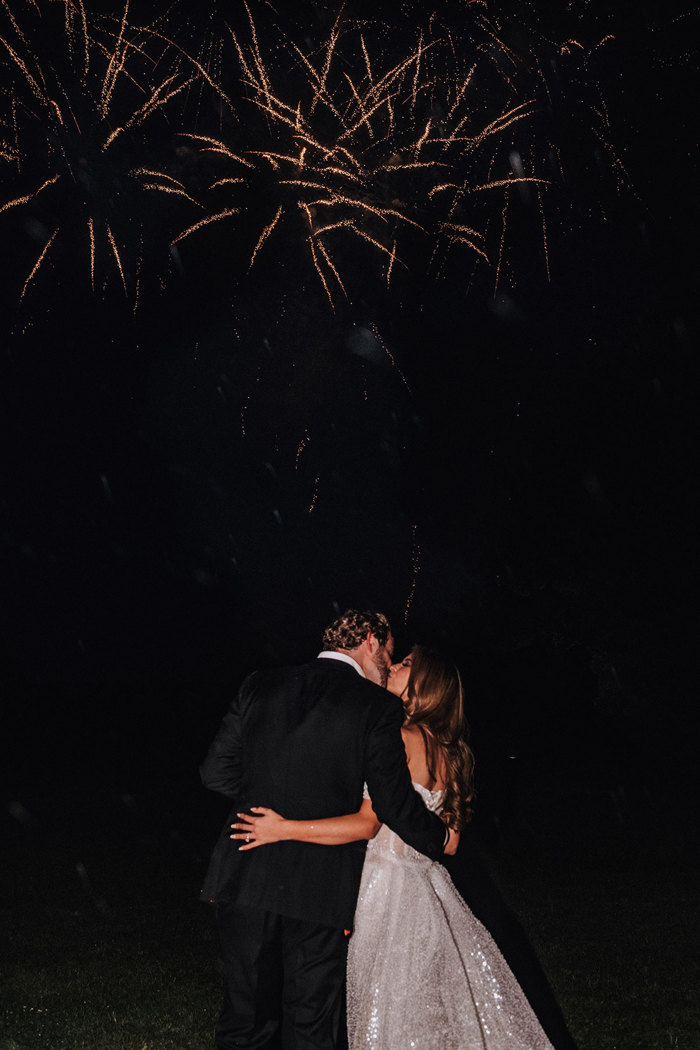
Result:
[[303, 741]]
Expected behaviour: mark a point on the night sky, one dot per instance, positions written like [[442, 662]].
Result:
[[491, 439]]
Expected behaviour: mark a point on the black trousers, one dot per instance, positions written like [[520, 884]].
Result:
[[284, 982]]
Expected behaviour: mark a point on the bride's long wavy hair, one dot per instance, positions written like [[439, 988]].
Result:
[[434, 703]]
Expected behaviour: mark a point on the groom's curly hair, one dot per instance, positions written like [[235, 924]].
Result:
[[351, 629]]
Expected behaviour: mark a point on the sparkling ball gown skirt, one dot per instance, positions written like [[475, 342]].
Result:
[[423, 973]]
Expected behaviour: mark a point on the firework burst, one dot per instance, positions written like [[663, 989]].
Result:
[[82, 94], [357, 158]]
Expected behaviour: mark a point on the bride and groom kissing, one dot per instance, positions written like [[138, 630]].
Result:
[[350, 779]]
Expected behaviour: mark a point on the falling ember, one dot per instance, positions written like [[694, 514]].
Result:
[[391, 357], [314, 497], [114, 68], [320, 273], [499, 183], [138, 273], [415, 568], [264, 235], [39, 261], [544, 234], [500, 247], [226, 182], [92, 253], [367, 61], [216, 146], [246, 405], [331, 267], [28, 196], [110, 138], [302, 445], [205, 222], [459, 234], [390, 267], [116, 256]]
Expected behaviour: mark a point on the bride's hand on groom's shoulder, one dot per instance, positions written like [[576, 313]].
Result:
[[260, 827]]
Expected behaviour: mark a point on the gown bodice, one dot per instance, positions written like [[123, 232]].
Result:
[[387, 843]]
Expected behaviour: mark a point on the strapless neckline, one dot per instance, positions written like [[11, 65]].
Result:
[[426, 792]]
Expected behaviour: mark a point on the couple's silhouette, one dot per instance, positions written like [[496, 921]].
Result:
[[319, 760]]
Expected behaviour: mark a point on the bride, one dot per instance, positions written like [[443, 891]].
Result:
[[422, 971]]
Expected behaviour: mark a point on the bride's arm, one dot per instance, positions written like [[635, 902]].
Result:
[[262, 826], [452, 843]]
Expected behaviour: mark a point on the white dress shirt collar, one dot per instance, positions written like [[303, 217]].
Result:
[[332, 654]]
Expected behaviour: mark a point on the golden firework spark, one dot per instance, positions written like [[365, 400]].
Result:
[[115, 249], [264, 235], [314, 496], [387, 351], [91, 231], [207, 221], [300, 448], [29, 196], [39, 261]]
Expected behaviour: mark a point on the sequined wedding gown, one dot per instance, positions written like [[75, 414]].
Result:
[[423, 973]]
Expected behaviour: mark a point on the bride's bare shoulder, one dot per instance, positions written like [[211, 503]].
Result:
[[412, 737], [415, 746]]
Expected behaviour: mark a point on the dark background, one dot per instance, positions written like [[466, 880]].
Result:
[[197, 486]]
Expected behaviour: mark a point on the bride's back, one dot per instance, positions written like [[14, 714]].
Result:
[[426, 764]]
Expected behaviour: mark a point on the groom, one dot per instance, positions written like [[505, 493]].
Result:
[[303, 741]]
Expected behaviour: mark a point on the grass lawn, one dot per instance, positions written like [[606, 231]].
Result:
[[105, 946], [118, 955], [614, 923]]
